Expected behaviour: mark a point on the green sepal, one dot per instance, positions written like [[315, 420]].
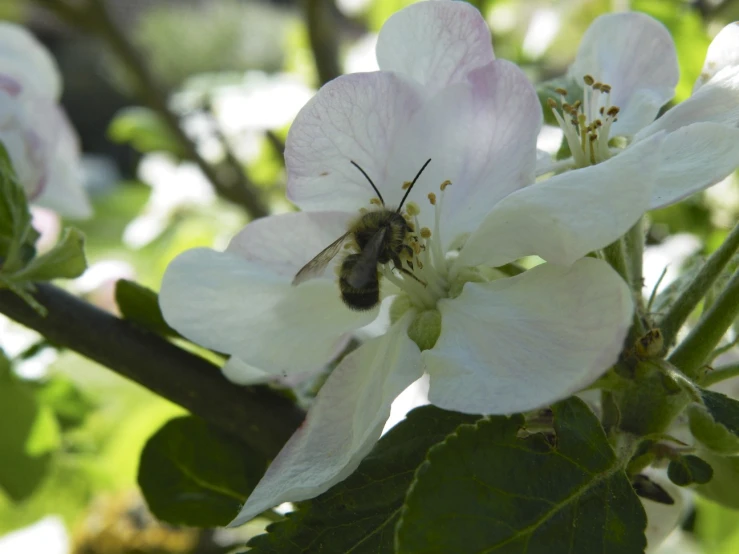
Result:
[[194, 474], [716, 423], [359, 514], [141, 306], [17, 236], [686, 470], [491, 487]]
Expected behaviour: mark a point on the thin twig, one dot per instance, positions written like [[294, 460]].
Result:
[[231, 184]]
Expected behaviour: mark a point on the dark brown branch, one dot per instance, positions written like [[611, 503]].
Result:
[[259, 416], [230, 182], [321, 22]]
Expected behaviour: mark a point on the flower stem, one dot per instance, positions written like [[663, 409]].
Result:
[[634, 246], [696, 349], [684, 305], [720, 374], [615, 254]]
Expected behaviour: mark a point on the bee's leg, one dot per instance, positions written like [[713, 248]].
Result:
[[399, 266]]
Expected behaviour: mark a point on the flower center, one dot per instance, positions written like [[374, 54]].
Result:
[[586, 124], [424, 274]]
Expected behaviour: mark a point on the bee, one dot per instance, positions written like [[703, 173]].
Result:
[[380, 237]]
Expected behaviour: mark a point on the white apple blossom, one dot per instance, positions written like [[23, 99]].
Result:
[[627, 66], [33, 127], [489, 343]]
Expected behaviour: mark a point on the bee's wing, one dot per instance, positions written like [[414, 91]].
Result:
[[364, 271], [318, 264]]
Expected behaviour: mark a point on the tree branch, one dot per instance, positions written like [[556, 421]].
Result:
[[231, 182], [259, 416], [320, 20]]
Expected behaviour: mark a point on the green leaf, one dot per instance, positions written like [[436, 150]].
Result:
[[716, 423], [194, 474], [28, 437], [724, 486], [487, 489], [359, 514], [66, 260], [69, 404], [17, 236], [141, 305], [144, 130], [686, 470]]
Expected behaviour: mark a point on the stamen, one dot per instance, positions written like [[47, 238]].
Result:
[[425, 233], [412, 209], [406, 185], [376, 202], [444, 185], [432, 198]]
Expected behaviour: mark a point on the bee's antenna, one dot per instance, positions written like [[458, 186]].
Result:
[[355, 164], [413, 182]]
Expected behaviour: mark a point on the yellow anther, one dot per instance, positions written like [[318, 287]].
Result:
[[376, 202], [551, 103], [561, 91], [445, 184], [412, 209], [432, 198], [425, 233], [588, 80], [406, 185], [597, 86], [605, 88], [613, 111]]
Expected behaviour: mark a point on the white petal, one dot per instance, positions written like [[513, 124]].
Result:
[[435, 43], [25, 60], [285, 243], [481, 136], [342, 425], [352, 118], [634, 54], [523, 342], [239, 372], [716, 101], [722, 52], [240, 307], [693, 158], [563, 218], [662, 519]]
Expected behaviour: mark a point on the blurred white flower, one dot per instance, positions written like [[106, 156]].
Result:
[[34, 129], [627, 67], [175, 185], [48, 535]]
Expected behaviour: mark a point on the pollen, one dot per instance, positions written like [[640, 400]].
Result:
[[376, 202], [432, 198], [412, 209], [406, 185], [425, 233]]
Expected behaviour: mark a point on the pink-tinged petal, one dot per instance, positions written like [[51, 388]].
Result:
[[723, 52], [352, 118], [63, 190], [717, 101], [634, 54], [694, 158], [343, 424], [481, 136], [563, 218], [285, 243], [243, 308], [25, 60], [435, 43], [523, 342]]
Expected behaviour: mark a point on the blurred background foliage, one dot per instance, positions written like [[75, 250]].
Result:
[[234, 72]]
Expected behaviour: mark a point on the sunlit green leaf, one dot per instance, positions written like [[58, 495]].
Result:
[[144, 130], [724, 486], [359, 514], [485, 489], [17, 236], [193, 474], [28, 437], [70, 405]]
